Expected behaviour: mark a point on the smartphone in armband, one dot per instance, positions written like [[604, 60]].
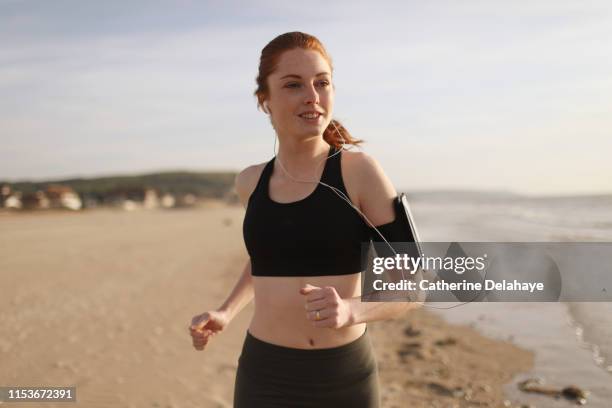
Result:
[[403, 209], [401, 231]]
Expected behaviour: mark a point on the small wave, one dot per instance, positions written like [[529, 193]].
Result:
[[587, 334]]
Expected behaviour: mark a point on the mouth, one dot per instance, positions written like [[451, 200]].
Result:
[[311, 116]]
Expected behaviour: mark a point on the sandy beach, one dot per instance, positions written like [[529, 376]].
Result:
[[101, 300]]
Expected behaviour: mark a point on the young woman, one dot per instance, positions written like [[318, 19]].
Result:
[[307, 344]]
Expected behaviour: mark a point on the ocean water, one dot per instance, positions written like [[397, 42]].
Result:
[[572, 341]]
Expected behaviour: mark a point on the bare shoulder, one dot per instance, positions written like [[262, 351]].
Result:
[[246, 181], [358, 161], [368, 171], [367, 181]]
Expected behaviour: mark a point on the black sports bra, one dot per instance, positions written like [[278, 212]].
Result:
[[318, 235]]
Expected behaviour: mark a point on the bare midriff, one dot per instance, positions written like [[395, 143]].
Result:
[[280, 314]]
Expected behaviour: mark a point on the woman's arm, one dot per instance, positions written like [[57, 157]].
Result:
[[375, 194], [241, 295], [338, 312], [208, 324]]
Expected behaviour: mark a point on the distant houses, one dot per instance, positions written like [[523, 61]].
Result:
[[146, 198], [60, 196], [160, 190], [10, 199], [34, 201], [53, 196], [57, 196]]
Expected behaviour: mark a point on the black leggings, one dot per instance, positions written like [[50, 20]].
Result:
[[270, 376]]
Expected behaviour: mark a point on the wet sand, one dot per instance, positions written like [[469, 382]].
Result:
[[101, 300]]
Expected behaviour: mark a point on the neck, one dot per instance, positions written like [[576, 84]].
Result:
[[303, 159]]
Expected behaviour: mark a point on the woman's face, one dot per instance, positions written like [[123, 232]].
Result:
[[301, 84]]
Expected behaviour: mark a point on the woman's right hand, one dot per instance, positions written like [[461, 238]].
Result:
[[206, 325]]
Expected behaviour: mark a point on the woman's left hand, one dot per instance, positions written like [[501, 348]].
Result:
[[333, 311]]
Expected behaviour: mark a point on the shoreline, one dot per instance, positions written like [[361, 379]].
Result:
[[547, 329]]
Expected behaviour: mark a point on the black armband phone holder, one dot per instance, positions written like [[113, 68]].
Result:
[[398, 232], [401, 239]]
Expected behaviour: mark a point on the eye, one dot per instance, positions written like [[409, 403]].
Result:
[[324, 83], [292, 85]]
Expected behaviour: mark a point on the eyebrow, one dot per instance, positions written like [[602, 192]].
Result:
[[299, 77]]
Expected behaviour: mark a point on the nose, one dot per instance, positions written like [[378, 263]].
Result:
[[312, 96]]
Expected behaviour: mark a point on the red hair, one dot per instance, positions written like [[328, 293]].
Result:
[[267, 64]]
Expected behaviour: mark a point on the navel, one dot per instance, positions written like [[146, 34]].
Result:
[[311, 341]]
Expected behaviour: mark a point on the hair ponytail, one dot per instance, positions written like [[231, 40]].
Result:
[[338, 135]]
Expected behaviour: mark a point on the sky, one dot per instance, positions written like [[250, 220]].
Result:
[[478, 95]]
